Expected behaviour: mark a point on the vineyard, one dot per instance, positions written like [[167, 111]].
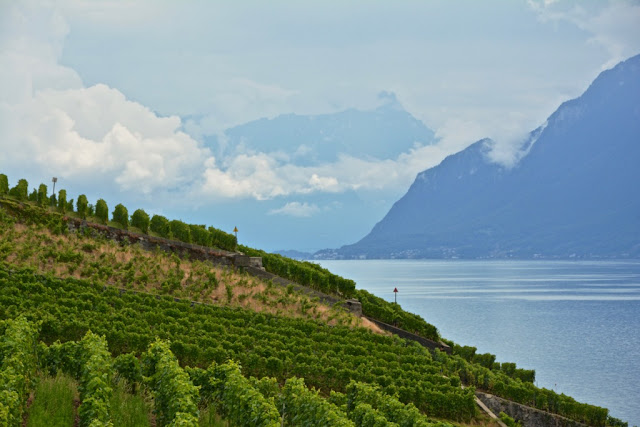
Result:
[[124, 336], [328, 358]]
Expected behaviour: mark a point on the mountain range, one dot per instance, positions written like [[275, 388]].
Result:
[[573, 193]]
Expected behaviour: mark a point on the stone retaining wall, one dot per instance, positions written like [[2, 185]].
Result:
[[430, 344]]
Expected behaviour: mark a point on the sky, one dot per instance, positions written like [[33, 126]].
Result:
[[118, 99]]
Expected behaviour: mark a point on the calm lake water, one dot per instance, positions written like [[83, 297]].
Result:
[[576, 323]]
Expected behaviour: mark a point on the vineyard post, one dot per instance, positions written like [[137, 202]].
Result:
[[395, 295]]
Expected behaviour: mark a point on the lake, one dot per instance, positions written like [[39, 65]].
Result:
[[577, 323]]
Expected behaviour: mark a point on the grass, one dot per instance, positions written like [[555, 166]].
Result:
[[209, 418], [129, 410], [53, 403]]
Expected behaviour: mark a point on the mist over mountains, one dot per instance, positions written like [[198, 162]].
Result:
[[574, 192], [380, 133]]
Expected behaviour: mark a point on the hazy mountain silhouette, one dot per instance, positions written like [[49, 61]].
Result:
[[381, 133], [576, 192]]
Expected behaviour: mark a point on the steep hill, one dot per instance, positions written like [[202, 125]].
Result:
[[177, 338], [571, 194]]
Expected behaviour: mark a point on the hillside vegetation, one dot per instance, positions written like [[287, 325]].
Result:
[[117, 335]]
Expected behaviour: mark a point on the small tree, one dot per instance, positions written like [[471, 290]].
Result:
[[140, 219], [4, 184], [70, 206], [180, 231], [81, 205], [102, 211], [21, 190], [62, 200], [42, 195], [121, 215], [91, 210], [160, 225], [53, 200], [33, 196]]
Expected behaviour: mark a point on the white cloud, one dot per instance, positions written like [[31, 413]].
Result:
[[612, 24], [51, 125], [296, 209]]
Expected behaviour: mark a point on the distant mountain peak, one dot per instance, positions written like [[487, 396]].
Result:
[[565, 191], [381, 133]]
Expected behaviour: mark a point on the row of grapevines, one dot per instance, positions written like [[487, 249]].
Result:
[[233, 395], [304, 273], [500, 384], [359, 394], [95, 382], [302, 406], [488, 360], [175, 396], [17, 369]]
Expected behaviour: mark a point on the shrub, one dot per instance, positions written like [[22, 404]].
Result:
[[140, 219], [81, 205], [180, 231], [4, 184], [62, 200], [160, 225], [102, 211], [42, 195], [121, 215], [21, 190]]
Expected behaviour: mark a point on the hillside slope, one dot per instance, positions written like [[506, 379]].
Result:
[[115, 301]]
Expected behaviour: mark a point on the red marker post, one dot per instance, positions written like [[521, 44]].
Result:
[[395, 295]]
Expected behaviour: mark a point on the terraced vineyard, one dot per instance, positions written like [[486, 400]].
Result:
[[125, 336]]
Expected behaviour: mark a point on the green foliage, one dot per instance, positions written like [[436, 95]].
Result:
[[61, 358], [120, 215], [499, 383], [53, 405], [43, 199], [393, 314], [238, 401], [129, 409], [180, 230], [95, 382], [615, 422], [301, 406], [70, 206], [388, 407], [62, 201], [4, 184], [222, 240], [199, 235], [489, 361], [127, 366], [327, 357], [81, 206], [140, 219], [21, 190], [364, 415], [304, 273], [17, 369], [160, 225], [510, 422], [33, 196], [174, 395], [102, 211]]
